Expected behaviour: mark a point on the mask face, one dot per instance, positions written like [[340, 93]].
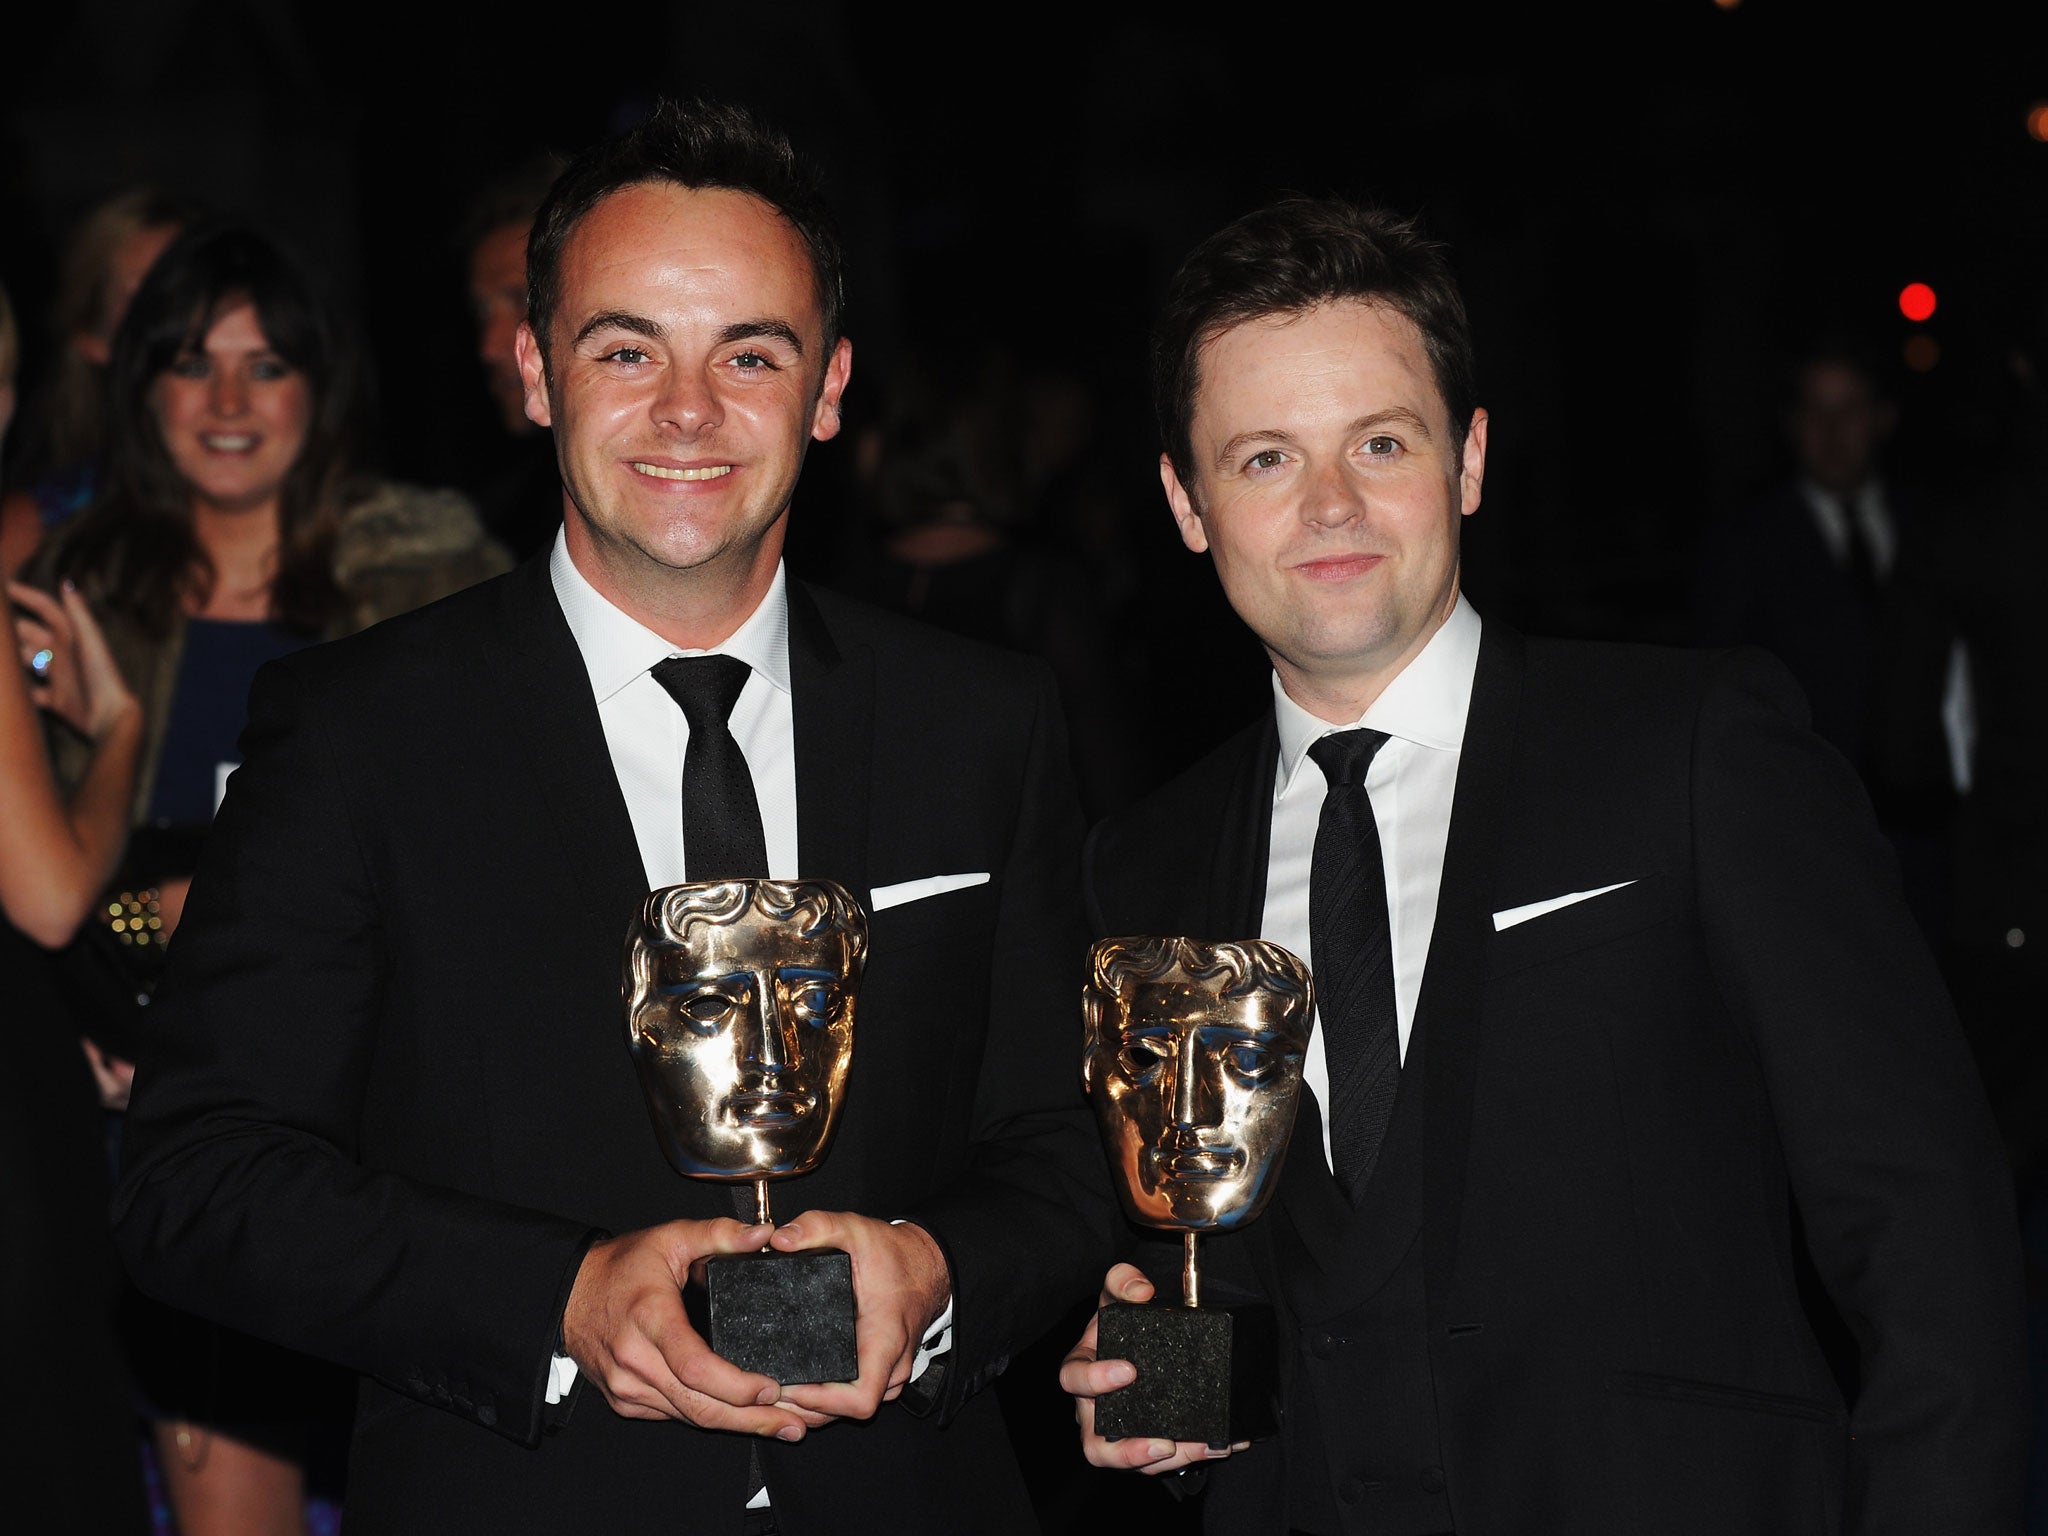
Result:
[[1193, 1060], [739, 1003]]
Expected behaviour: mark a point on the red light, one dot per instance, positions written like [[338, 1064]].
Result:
[[2037, 122], [1916, 302]]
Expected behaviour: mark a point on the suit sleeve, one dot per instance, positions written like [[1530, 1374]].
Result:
[[1027, 1230], [1895, 1168], [243, 1198]]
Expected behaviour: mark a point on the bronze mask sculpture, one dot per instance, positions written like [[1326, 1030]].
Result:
[[740, 1000], [1193, 1057]]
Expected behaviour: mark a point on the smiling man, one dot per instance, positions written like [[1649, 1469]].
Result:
[[1623, 1031], [402, 1128]]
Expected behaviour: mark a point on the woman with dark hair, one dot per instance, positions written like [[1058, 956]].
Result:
[[233, 524]]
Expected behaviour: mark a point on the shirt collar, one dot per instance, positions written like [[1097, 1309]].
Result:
[[1426, 703], [617, 649]]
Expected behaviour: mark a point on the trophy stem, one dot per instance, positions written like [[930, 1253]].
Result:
[[1190, 1270], [761, 1216]]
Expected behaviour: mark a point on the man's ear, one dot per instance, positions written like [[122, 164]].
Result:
[[825, 418], [1472, 469], [533, 374], [1185, 517]]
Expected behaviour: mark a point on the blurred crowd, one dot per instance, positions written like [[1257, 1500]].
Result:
[[192, 489]]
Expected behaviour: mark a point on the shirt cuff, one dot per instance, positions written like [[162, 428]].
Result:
[[562, 1375], [938, 1339]]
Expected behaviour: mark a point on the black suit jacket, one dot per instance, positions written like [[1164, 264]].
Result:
[[390, 1100], [1629, 1108]]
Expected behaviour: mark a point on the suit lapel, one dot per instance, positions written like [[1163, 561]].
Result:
[[1244, 831], [834, 713], [1449, 1009], [545, 704]]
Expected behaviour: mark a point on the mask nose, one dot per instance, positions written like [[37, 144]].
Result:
[[770, 1046], [1194, 1092]]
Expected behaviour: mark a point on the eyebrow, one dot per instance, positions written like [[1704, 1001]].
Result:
[[653, 330], [1392, 415], [778, 330], [621, 320]]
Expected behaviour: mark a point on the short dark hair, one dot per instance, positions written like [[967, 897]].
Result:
[[1288, 257], [693, 144]]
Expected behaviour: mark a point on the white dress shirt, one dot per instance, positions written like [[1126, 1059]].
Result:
[[1411, 783], [646, 733], [1873, 522]]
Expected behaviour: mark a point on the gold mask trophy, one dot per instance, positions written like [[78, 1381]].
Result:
[[1193, 1059], [739, 1015]]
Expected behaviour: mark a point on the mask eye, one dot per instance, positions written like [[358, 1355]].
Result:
[[1142, 1058], [812, 1003], [708, 1011], [1248, 1061]]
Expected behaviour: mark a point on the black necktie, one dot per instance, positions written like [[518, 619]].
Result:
[[722, 837], [1353, 948]]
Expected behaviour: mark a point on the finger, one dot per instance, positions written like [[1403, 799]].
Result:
[[811, 1420], [708, 1391], [1091, 1378], [1126, 1282], [1143, 1455], [813, 1229], [721, 1234], [711, 1376], [38, 602]]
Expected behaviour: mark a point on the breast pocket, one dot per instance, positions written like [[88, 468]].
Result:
[[1642, 904]]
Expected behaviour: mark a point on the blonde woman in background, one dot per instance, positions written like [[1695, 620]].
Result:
[[103, 263]]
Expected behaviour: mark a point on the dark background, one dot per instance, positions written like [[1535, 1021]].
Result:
[[1647, 211]]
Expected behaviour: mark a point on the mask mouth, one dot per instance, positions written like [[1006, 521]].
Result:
[[768, 1111], [1199, 1165]]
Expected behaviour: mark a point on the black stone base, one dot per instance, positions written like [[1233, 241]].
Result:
[[786, 1315], [1204, 1373]]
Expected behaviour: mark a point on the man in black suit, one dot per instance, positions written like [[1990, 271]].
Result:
[[391, 1117], [1805, 570], [1621, 1023]]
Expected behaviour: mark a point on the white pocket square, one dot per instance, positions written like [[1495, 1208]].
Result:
[[916, 890], [1515, 915]]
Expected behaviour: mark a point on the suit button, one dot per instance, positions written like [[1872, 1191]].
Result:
[[1432, 1480], [1323, 1346], [1351, 1490]]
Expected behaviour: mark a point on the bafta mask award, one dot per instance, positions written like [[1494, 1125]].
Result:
[[1193, 1061], [739, 1014]]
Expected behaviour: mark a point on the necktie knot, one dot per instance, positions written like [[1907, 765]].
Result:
[[723, 838], [706, 687], [1344, 756]]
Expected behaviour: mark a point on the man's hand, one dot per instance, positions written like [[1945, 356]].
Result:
[[1085, 1378], [626, 1330], [900, 1283]]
